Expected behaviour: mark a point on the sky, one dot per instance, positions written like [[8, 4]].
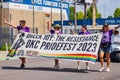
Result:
[[105, 7]]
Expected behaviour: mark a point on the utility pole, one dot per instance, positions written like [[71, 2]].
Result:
[[61, 17], [85, 6], [33, 15], [75, 17], [1, 6], [51, 14], [94, 14], [104, 10]]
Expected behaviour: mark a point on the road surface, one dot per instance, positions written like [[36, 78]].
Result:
[[42, 69]]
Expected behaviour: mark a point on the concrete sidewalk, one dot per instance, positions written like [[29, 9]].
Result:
[[3, 55]]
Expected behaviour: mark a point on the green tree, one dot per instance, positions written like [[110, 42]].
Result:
[[117, 13], [71, 15], [89, 13], [110, 16], [80, 15]]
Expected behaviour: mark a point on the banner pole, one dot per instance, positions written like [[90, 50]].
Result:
[[6, 51]]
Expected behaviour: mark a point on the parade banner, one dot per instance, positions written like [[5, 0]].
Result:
[[70, 47]]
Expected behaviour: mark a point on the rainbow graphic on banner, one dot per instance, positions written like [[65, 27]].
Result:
[[86, 57], [12, 52]]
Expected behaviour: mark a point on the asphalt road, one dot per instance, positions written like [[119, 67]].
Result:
[[42, 69]]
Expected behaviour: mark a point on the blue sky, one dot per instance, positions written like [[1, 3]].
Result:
[[105, 7]]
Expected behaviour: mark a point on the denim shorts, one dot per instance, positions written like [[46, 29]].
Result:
[[107, 49]]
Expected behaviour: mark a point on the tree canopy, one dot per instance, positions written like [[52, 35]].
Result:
[[80, 14], [117, 13], [71, 15], [89, 13], [110, 16]]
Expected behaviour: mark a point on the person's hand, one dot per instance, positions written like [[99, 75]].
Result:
[[5, 21], [117, 27], [9, 24]]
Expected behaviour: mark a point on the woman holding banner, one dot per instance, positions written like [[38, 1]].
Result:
[[57, 31], [84, 31], [106, 47], [20, 28]]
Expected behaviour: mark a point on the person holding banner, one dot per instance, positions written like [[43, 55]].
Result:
[[57, 31], [84, 31], [106, 47], [21, 28]]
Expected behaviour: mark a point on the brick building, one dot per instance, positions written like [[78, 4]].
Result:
[[15, 10]]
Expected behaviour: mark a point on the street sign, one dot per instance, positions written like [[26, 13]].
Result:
[[111, 21]]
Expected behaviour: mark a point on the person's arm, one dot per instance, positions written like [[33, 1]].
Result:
[[115, 31], [9, 24], [72, 32], [49, 27], [52, 31], [117, 27]]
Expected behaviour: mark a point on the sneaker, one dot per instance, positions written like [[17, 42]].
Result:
[[78, 68], [87, 67], [107, 70], [102, 69], [22, 66]]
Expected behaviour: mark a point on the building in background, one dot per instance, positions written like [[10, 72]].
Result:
[[37, 13]]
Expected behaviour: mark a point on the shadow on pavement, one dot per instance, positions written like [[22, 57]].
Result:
[[94, 71], [48, 69]]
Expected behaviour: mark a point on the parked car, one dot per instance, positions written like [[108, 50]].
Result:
[[115, 55]]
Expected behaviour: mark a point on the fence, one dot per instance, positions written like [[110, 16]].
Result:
[[7, 35]]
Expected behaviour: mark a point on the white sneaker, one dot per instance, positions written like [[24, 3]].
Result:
[[87, 67], [102, 69], [107, 70], [78, 68]]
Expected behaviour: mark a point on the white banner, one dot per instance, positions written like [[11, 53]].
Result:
[[74, 47]]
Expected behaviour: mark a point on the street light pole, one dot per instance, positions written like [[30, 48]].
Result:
[[104, 10], [75, 17], [1, 13], [51, 14], [85, 6], [61, 1], [94, 14], [33, 15]]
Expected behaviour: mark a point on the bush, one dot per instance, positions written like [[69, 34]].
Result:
[[3, 47]]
